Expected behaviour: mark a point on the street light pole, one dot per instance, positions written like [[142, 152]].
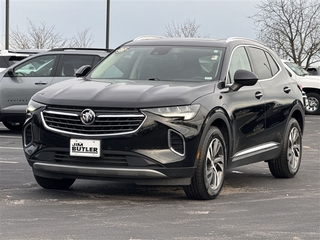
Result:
[[107, 24], [7, 25]]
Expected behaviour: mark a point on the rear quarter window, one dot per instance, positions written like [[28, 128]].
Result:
[[260, 63]]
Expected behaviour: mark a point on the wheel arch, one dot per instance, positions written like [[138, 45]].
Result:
[[218, 118], [311, 90], [297, 112]]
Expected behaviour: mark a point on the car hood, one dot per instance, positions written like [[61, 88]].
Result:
[[137, 94], [309, 81]]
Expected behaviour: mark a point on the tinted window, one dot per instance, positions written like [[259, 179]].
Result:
[[38, 66], [3, 63], [239, 60], [273, 65], [71, 63], [260, 63]]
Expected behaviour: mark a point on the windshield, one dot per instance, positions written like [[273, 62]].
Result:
[[161, 63], [297, 69]]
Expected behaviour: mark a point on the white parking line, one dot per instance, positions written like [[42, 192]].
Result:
[[2, 136], [7, 162], [14, 148]]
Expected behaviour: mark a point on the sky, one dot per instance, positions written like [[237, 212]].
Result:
[[131, 18]]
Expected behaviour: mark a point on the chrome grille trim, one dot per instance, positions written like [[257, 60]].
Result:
[[62, 113], [68, 121]]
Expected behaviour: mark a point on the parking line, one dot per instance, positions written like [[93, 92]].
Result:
[[15, 148], [7, 162], [9, 136]]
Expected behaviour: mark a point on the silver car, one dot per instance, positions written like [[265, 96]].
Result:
[[20, 81]]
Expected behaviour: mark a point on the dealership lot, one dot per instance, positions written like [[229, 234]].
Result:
[[252, 204]]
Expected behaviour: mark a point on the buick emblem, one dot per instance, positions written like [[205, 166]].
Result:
[[87, 116]]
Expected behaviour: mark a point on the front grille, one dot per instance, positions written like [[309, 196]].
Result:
[[109, 121]]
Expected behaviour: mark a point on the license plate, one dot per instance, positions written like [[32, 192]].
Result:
[[84, 148]]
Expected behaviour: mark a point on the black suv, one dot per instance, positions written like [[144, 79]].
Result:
[[165, 111], [20, 81]]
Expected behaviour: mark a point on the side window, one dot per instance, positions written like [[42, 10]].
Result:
[[3, 63], [71, 63], [239, 60], [273, 65], [260, 63], [37, 67]]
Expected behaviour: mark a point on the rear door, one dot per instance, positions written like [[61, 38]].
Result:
[[278, 93]]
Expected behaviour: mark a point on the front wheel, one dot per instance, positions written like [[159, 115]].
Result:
[[13, 126], [208, 180], [288, 163], [51, 183], [313, 107]]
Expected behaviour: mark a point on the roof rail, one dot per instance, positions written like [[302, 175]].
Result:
[[28, 51], [241, 38], [148, 37], [83, 49]]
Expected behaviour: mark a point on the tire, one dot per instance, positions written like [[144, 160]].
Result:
[[50, 183], [313, 107], [209, 177], [13, 126], [288, 163]]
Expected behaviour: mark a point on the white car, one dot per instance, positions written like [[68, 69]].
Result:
[[310, 85]]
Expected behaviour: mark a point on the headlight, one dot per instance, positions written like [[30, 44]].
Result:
[[185, 112], [32, 106]]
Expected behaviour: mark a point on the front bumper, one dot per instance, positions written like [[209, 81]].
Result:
[[161, 152]]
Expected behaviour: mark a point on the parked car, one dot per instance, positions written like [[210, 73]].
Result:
[[310, 85], [314, 70], [21, 80], [8, 58], [166, 111]]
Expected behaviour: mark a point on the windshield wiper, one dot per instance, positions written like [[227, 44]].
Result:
[[154, 79]]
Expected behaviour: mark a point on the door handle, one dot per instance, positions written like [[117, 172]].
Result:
[[41, 83], [258, 95], [286, 89]]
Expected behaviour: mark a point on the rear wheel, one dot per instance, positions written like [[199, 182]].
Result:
[[13, 126], [208, 180], [51, 183], [288, 163]]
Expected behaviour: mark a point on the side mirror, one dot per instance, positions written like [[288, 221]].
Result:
[[243, 78], [10, 72], [82, 71]]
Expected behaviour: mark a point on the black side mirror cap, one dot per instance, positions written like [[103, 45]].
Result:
[[82, 71], [10, 72], [243, 78]]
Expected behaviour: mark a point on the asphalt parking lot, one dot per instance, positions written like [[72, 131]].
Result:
[[252, 204]]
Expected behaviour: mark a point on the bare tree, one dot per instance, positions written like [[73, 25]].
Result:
[[82, 40], [291, 28], [188, 28], [36, 37], [46, 37]]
